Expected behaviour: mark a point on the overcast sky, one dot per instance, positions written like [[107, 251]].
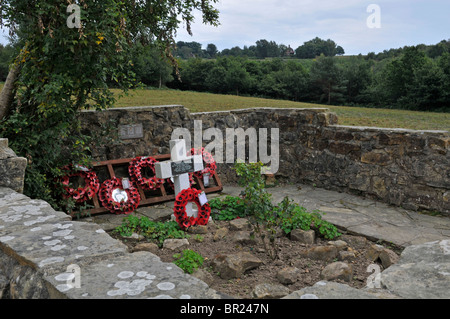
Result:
[[292, 22]]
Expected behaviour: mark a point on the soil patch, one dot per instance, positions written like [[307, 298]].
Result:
[[291, 254]]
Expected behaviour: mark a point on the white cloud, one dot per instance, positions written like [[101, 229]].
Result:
[[404, 22]]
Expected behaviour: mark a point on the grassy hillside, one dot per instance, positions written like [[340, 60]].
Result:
[[355, 116]]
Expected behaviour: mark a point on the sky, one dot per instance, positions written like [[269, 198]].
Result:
[[293, 22]]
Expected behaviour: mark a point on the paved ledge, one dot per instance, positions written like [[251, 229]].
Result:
[[360, 216], [40, 248]]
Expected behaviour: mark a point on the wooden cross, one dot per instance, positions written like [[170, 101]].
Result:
[[179, 168]]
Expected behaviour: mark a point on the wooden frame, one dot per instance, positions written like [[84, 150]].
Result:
[[164, 195]]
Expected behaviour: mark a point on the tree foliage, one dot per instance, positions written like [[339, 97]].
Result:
[[64, 70], [409, 78]]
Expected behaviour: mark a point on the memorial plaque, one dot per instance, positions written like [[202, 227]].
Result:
[[183, 167], [134, 131]]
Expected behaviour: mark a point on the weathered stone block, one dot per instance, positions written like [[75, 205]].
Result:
[[376, 157], [337, 270], [235, 265]]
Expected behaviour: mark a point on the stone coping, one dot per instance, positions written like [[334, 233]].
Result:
[[47, 246]]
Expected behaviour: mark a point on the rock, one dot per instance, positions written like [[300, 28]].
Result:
[[347, 256], [270, 291], [373, 253], [199, 229], [235, 265], [288, 275], [324, 253], [388, 258], [176, 244], [385, 255], [239, 224], [357, 242], [204, 276], [339, 244], [220, 234], [422, 272], [135, 236], [244, 238], [150, 247], [337, 270], [304, 237]]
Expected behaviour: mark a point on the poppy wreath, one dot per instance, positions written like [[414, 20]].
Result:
[[135, 171], [123, 207], [190, 195], [80, 194], [208, 159]]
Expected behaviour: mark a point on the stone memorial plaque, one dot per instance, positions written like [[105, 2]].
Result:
[[183, 167], [134, 131]]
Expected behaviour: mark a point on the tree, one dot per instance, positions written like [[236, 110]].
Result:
[[326, 76], [399, 74], [62, 69], [211, 50], [266, 49], [150, 68], [316, 47]]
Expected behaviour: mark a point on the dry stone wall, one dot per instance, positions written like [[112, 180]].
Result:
[[12, 168], [401, 167]]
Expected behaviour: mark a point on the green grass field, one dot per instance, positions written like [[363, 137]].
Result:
[[354, 116]]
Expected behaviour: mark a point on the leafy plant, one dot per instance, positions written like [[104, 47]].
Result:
[[189, 260], [258, 205], [294, 216], [266, 219], [229, 208], [155, 231]]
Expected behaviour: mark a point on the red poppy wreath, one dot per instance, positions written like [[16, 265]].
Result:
[[190, 195], [208, 159], [135, 171], [80, 194], [118, 200]]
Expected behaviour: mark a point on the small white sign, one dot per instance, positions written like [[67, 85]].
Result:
[[206, 180], [202, 198], [126, 183]]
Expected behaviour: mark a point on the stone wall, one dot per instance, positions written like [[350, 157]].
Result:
[[401, 167], [12, 168]]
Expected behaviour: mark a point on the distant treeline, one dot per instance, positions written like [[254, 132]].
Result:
[[261, 50], [415, 78]]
